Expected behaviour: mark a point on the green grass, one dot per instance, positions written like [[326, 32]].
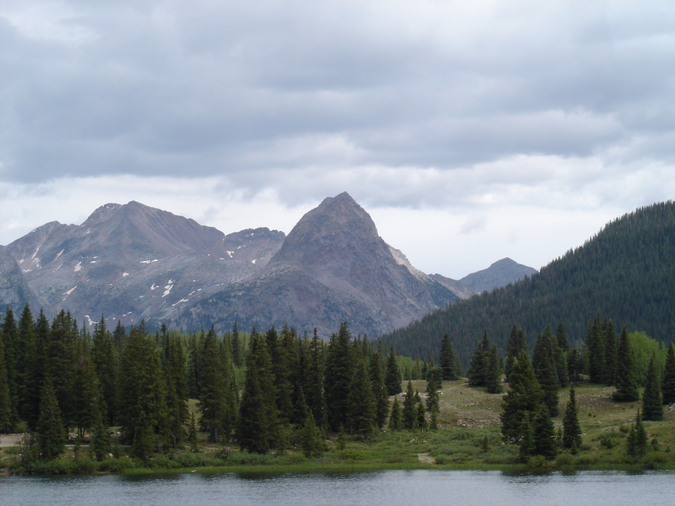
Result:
[[467, 416]]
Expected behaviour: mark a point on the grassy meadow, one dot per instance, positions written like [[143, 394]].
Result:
[[468, 438]]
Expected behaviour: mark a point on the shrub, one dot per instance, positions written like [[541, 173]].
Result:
[[537, 462], [564, 459]]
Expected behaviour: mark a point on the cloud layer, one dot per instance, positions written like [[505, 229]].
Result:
[[467, 109]]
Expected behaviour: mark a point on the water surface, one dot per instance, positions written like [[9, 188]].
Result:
[[386, 488]]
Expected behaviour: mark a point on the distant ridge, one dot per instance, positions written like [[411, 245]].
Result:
[[499, 274], [625, 273]]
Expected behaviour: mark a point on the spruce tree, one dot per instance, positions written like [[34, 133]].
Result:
[[609, 369], [561, 336], [5, 401], [493, 372], [338, 376], [571, 426], [652, 401], [668, 387], [392, 376], [596, 350], [549, 386], [257, 421], [310, 438], [10, 336], [379, 389], [212, 404], [361, 402], [106, 362], [626, 381], [447, 359], [409, 413], [479, 363], [395, 418], [50, 432], [314, 385], [543, 434], [522, 399], [434, 384]]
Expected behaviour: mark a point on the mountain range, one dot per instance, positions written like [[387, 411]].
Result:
[[132, 262]]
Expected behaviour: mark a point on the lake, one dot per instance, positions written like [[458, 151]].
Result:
[[385, 488]]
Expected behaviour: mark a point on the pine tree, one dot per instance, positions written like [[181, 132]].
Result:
[[561, 336], [310, 438], [652, 401], [448, 359], [393, 375], [50, 432], [668, 387], [479, 363], [523, 398], [434, 384], [543, 434], [409, 413], [395, 418], [549, 386], [636, 441], [212, 405], [596, 351], [493, 373], [105, 359], [626, 382], [36, 370], [361, 402], [610, 353], [257, 421], [100, 440], [379, 389], [176, 378], [193, 435], [26, 349], [421, 416], [571, 426], [314, 387], [5, 401], [10, 336], [338, 376]]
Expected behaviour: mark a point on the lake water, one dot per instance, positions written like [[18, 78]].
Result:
[[386, 488]]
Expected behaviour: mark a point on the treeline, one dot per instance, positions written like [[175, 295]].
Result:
[[534, 382], [623, 272], [57, 378]]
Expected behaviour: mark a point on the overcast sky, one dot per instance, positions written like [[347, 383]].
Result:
[[469, 130]]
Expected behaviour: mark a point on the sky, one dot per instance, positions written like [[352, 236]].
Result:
[[469, 130]]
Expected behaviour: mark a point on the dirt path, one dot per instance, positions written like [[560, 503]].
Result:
[[424, 457], [9, 439]]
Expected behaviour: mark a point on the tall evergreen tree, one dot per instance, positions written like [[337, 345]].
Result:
[[543, 434], [10, 336], [106, 361], [514, 345], [379, 390], [361, 401], [561, 336], [626, 381], [174, 366], [338, 376], [522, 399], [448, 359], [26, 349], [212, 405], [257, 423], [609, 369], [50, 432], [571, 427], [5, 401], [652, 401], [479, 363], [668, 386], [493, 372], [393, 375], [395, 418], [596, 351], [549, 386], [409, 412], [313, 387]]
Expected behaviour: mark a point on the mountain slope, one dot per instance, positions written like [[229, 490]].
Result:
[[132, 261], [332, 267], [14, 290], [624, 273], [499, 274]]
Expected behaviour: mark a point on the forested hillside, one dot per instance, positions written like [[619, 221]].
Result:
[[624, 272]]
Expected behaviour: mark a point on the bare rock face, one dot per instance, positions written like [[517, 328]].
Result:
[[132, 262], [499, 274], [332, 267], [14, 290]]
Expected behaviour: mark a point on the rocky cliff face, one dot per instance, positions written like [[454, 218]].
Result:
[[132, 262], [14, 290], [332, 267]]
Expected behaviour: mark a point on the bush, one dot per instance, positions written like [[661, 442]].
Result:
[[116, 465], [350, 454], [442, 460], [537, 462], [654, 460], [564, 459], [607, 441]]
